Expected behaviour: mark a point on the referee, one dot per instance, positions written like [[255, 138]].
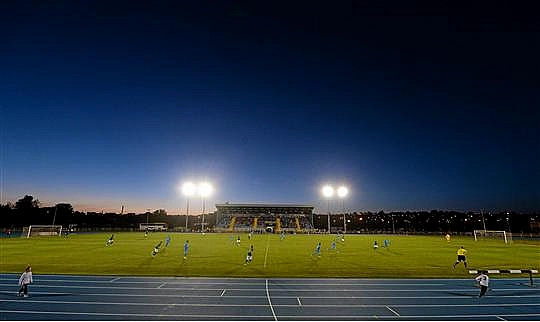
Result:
[[461, 252]]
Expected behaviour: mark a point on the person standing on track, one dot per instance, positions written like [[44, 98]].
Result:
[[483, 280], [24, 281], [461, 257]]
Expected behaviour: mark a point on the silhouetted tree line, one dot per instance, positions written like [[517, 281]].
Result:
[[27, 211]]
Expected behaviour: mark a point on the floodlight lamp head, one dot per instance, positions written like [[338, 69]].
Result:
[[327, 191], [342, 192], [188, 189], [205, 189]]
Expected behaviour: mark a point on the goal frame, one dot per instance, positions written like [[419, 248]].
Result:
[[51, 227], [484, 232]]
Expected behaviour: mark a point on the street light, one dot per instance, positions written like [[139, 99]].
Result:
[[342, 192], [328, 193], [204, 189], [188, 190]]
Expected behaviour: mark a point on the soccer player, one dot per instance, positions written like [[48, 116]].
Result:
[[24, 281], [250, 234], [282, 235], [317, 250], [110, 241], [167, 240], [238, 240], [251, 247], [386, 243], [333, 247], [461, 257], [156, 248], [186, 249], [483, 280], [146, 233], [249, 256], [375, 245], [447, 237]]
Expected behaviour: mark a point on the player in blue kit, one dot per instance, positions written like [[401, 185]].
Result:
[[186, 249]]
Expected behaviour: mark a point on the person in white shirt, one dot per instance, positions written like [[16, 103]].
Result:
[[24, 280], [483, 280]]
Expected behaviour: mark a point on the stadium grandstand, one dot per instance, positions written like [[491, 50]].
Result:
[[264, 217]]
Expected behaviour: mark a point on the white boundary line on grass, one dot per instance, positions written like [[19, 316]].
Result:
[[266, 253], [111, 281], [270, 302]]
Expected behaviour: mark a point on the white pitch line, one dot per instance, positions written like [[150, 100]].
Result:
[[222, 292], [113, 280], [270, 302], [498, 317], [266, 253], [163, 284], [299, 303], [396, 313]]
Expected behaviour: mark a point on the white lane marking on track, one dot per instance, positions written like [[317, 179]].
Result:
[[163, 284], [270, 302], [276, 290], [396, 313], [113, 280], [259, 316], [266, 253], [278, 305], [253, 317], [222, 292], [281, 297], [498, 317]]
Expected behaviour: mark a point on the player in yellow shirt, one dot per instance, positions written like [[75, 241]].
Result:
[[447, 237], [461, 252]]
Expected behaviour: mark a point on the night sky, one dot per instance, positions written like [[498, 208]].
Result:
[[413, 106]]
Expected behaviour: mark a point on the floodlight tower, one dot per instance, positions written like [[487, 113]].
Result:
[[204, 189], [188, 190], [328, 193], [342, 192]]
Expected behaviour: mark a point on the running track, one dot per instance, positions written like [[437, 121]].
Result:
[[67, 297]]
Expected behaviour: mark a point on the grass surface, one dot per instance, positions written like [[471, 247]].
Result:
[[217, 255]]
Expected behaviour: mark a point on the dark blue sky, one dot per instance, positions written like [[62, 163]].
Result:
[[413, 106]]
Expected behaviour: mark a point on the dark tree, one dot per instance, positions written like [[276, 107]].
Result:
[[27, 202]]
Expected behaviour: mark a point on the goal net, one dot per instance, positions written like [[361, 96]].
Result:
[[493, 234], [41, 230]]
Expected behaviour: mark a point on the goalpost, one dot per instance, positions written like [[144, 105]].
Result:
[[41, 230], [493, 234]]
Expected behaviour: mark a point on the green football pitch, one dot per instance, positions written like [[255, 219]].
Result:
[[217, 255]]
